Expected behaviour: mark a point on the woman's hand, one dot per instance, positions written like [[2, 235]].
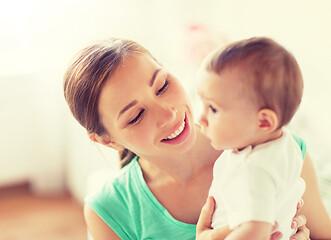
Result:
[[205, 231], [299, 222]]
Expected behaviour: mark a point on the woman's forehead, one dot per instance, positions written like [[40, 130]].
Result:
[[137, 66]]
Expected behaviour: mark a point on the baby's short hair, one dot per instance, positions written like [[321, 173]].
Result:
[[271, 73]]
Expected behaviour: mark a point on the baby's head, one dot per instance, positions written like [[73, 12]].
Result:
[[250, 89]]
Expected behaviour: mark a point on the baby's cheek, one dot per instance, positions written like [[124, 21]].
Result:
[[218, 135]]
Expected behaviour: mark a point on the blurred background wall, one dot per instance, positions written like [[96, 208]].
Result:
[[40, 141]]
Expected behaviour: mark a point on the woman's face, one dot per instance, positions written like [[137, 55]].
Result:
[[146, 110]]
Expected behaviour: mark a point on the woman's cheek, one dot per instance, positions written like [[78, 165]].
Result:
[[178, 92], [144, 132]]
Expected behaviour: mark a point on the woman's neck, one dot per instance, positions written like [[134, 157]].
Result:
[[181, 167]]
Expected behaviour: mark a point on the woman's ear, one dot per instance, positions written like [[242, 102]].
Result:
[[106, 141], [268, 120]]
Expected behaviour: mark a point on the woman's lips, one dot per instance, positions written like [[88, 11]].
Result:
[[177, 131], [182, 136]]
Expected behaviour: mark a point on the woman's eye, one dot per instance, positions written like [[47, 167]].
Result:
[[163, 88], [214, 110], [137, 118]]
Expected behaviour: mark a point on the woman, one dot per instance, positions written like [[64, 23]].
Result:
[[127, 101]]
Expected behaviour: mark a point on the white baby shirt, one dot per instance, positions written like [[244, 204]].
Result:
[[259, 184]]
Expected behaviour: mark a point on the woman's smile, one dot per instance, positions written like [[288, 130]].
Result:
[[179, 134]]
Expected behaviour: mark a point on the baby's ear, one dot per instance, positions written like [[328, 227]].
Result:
[[268, 120], [106, 141]]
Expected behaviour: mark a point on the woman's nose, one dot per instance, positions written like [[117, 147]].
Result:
[[166, 115]]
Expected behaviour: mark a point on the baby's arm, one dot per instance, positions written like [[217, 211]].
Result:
[[252, 230], [206, 232], [221, 233], [249, 230]]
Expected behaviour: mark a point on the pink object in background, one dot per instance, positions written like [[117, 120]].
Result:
[[199, 40]]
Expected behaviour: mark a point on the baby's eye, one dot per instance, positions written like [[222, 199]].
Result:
[[137, 118], [214, 110], [163, 88]]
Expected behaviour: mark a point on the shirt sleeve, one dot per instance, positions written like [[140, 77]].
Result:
[[301, 143], [111, 208], [251, 196]]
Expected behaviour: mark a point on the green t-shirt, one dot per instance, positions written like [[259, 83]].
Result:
[[128, 206]]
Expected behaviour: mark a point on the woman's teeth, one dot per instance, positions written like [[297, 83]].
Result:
[[177, 132]]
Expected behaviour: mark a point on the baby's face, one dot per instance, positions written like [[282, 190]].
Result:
[[229, 118]]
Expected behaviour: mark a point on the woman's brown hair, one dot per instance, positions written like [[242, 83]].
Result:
[[85, 77]]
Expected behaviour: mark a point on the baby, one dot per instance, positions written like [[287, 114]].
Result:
[[250, 90]]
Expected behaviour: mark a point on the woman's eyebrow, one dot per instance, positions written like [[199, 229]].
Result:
[[154, 76], [127, 107]]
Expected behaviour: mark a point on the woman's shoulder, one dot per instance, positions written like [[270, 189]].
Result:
[[113, 202], [115, 185], [299, 140]]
